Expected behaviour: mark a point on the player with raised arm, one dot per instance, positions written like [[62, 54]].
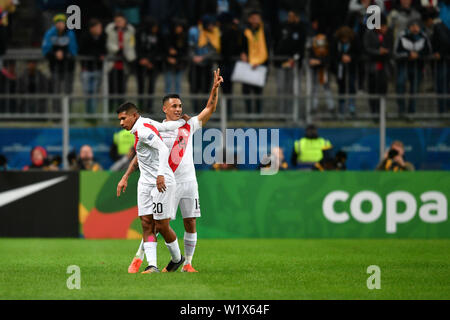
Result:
[[156, 186], [181, 161]]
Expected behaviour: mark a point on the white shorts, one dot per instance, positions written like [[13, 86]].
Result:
[[187, 198], [160, 204]]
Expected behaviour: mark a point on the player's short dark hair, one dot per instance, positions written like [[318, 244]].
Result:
[[126, 106], [170, 96]]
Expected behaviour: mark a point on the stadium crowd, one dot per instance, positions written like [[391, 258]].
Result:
[[176, 38]]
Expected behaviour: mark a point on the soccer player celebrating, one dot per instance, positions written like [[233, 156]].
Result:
[[181, 162], [156, 186]]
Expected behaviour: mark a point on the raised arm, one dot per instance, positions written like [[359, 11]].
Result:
[[204, 116], [123, 183]]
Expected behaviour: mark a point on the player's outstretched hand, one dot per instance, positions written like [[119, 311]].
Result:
[[160, 183], [185, 117], [217, 79], [121, 186]]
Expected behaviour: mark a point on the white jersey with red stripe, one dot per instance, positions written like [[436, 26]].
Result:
[[179, 142], [151, 152]]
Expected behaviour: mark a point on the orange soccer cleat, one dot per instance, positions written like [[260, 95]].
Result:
[[188, 268], [135, 265]]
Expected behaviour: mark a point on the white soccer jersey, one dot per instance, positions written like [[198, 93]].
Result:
[[179, 142], [152, 153]]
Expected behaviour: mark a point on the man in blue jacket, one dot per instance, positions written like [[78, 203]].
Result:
[[60, 47]]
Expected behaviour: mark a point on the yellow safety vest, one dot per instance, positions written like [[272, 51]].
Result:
[[124, 140], [310, 150]]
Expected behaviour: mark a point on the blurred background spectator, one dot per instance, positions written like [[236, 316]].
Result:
[[290, 43], [275, 161], [41, 161], [378, 44], [319, 62], [86, 159], [204, 44], [394, 159], [7, 7], [33, 81], [120, 44], [309, 149], [344, 53], [231, 42], [149, 49], [93, 46], [60, 47], [175, 52], [411, 48], [255, 51], [122, 142]]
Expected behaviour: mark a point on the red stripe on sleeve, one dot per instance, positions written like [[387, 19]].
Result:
[[148, 125]]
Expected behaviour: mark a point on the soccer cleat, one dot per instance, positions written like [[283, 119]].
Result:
[[172, 266], [188, 268], [151, 269], [135, 265]]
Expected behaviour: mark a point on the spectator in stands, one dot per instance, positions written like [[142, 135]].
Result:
[[120, 45], [92, 45], [6, 7], [319, 61], [123, 162], [357, 21], [290, 44], [255, 51], [394, 159], [330, 15], [204, 45], [41, 161], [344, 55], [399, 17], [275, 160], [149, 49], [8, 85], [131, 9], [3, 163], [33, 81], [86, 159], [175, 53], [412, 47], [122, 142], [441, 52], [309, 149], [230, 43], [378, 44], [60, 47]]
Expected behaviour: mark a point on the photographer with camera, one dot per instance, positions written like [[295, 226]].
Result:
[[394, 159]]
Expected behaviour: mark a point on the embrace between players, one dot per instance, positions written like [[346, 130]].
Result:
[[164, 154]]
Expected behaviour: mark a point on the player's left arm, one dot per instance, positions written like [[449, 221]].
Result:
[[204, 116]]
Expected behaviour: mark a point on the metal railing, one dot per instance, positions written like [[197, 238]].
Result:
[[64, 108]]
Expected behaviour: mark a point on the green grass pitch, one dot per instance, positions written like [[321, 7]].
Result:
[[229, 269]]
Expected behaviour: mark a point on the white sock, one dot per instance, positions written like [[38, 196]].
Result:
[[140, 253], [150, 252], [174, 250], [190, 241]]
